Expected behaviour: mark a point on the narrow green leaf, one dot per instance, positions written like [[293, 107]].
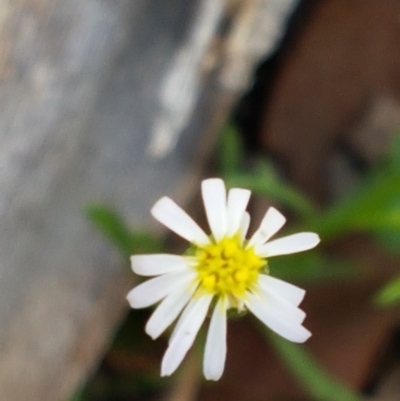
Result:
[[79, 395], [390, 240], [113, 227], [389, 294], [313, 266], [388, 234], [230, 149], [143, 242], [318, 383], [373, 206], [265, 182], [394, 154], [367, 209]]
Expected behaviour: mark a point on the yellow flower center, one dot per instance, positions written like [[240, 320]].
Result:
[[226, 268]]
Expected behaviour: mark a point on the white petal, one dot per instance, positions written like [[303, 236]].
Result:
[[185, 315], [188, 329], [272, 222], [215, 351], [281, 307], [291, 244], [168, 311], [289, 330], [155, 289], [237, 202], [244, 226], [288, 291], [214, 198], [167, 212], [154, 265]]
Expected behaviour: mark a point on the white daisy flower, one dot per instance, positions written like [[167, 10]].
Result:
[[220, 271]]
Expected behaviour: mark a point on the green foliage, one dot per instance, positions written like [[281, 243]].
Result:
[[130, 338], [230, 150], [393, 158], [79, 395], [318, 383], [390, 294], [114, 228], [262, 179], [373, 208], [308, 267]]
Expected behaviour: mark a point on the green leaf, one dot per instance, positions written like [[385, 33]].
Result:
[[113, 227], [367, 209], [390, 240], [230, 149], [313, 266], [265, 181], [318, 382], [394, 154], [79, 395], [388, 234], [373, 207], [389, 294]]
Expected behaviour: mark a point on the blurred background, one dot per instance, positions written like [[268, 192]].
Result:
[[107, 105]]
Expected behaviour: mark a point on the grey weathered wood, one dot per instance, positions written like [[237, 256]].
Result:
[[101, 101]]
